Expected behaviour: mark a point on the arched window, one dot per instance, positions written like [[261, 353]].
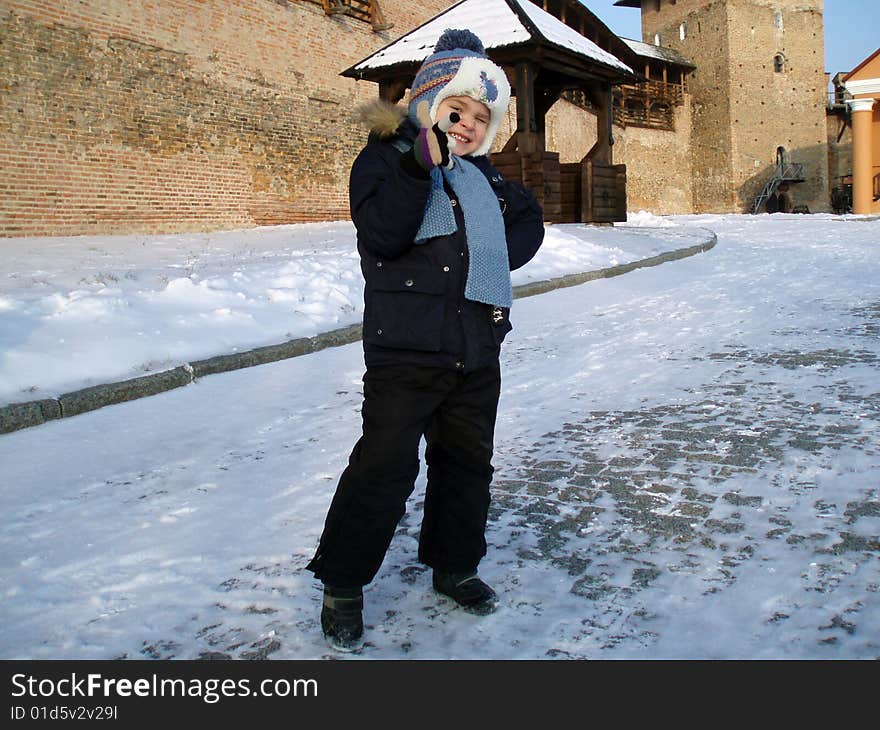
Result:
[[778, 18], [779, 63], [656, 39], [657, 5], [781, 157], [682, 31]]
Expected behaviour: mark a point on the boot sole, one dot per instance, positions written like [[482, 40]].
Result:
[[481, 608], [354, 647]]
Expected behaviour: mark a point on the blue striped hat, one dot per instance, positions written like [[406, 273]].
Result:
[[459, 67]]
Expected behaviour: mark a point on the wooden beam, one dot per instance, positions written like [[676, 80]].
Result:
[[392, 90], [525, 97], [601, 151]]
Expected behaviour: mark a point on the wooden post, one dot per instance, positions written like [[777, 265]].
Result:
[[392, 90], [526, 123], [602, 152]]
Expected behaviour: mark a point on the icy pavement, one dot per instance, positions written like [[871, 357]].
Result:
[[687, 466]]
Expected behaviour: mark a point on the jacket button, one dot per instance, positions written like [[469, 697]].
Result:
[[454, 202], [409, 282], [445, 268], [378, 332], [459, 365], [378, 264]]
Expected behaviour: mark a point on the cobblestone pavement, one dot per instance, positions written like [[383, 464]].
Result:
[[766, 471], [730, 508], [687, 466]]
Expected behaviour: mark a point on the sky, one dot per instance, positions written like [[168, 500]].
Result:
[[686, 456], [850, 37]]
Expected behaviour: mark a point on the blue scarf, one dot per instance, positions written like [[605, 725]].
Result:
[[488, 277]]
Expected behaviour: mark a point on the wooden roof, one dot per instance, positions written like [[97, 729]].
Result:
[[581, 49]]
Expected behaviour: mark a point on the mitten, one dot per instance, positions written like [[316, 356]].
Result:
[[432, 147]]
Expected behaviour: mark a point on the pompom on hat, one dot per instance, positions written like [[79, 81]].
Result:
[[459, 67]]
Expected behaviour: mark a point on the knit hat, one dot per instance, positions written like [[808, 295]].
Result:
[[459, 66]]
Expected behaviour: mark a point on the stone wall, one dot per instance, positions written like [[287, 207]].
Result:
[[840, 152], [706, 44], [658, 161], [180, 115], [772, 108], [659, 177], [743, 109]]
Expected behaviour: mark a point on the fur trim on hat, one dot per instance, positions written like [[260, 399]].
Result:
[[381, 117]]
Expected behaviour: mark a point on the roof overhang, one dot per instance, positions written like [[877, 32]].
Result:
[[658, 53], [629, 3], [512, 31]]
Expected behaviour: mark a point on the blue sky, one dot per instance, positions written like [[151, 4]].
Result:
[[851, 35]]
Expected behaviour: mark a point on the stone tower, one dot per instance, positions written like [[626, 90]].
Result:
[[759, 95]]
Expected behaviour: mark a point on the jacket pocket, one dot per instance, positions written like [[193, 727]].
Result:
[[405, 309]]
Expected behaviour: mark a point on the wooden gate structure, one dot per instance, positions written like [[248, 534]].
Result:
[[548, 49]]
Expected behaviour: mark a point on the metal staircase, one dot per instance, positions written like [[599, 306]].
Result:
[[784, 172]]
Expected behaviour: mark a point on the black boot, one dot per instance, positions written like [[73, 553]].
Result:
[[467, 590], [341, 618]]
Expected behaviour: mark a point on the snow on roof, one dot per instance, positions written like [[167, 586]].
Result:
[[497, 25], [557, 32], [658, 52]]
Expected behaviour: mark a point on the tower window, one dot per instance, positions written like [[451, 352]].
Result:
[[656, 39], [682, 31], [779, 63], [657, 5], [778, 15]]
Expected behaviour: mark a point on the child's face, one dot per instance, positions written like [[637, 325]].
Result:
[[470, 131]]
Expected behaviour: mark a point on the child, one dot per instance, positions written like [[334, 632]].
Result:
[[438, 232]]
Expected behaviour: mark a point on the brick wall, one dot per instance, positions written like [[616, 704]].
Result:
[[180, 115]]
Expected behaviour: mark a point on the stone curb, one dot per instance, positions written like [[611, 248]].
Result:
[[16, 416]]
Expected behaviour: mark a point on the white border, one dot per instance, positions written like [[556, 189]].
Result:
[[866, 86]]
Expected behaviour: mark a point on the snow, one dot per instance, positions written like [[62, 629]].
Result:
[[87, 310], [559, 33], [496, 25], [686, 456], [658, 52]]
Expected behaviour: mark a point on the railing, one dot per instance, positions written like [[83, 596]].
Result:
[[791, 171], [647, 104], [655, 92], [366, 10], [783, 172], [837, 99], [655, 117]]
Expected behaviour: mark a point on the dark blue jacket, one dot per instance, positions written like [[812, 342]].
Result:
[[415, 311]]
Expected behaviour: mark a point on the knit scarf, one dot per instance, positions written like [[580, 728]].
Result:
[[488, 277]]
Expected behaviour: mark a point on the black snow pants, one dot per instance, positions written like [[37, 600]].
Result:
[[455, 412]]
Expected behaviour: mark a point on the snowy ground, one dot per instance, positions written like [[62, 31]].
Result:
[[89, 310], [687, 467]]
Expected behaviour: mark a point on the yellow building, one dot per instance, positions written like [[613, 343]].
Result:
[[863, 83]]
